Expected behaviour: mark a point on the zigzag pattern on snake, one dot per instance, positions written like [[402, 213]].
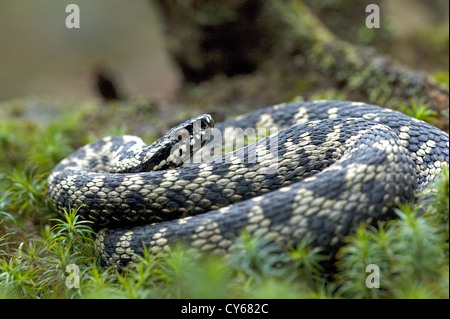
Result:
[[337, 164]]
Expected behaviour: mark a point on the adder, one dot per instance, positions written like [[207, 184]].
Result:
[[331, 166]]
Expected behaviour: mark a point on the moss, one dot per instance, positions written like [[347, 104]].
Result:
[[36, 244]]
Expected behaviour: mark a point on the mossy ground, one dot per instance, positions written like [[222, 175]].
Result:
[[37, 243]]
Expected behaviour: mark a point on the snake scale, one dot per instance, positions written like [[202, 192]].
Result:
[[330, 166]]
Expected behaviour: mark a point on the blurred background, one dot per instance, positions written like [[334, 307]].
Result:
[[40, 56]]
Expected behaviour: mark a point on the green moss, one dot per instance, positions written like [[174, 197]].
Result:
[[419, 110], [36, 244], [441, 77]]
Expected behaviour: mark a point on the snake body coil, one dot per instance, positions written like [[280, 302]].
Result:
[[331, 166]]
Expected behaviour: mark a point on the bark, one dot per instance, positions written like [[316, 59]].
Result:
[[207, 38]]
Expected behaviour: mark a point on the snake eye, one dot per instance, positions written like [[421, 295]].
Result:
[[180, 136]]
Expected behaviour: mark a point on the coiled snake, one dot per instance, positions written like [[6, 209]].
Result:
[[331, 166]]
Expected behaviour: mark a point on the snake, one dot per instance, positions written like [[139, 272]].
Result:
[[326, 168]]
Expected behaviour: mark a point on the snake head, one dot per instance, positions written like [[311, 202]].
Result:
[[186, 139], [174, 148], [195, 130]]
